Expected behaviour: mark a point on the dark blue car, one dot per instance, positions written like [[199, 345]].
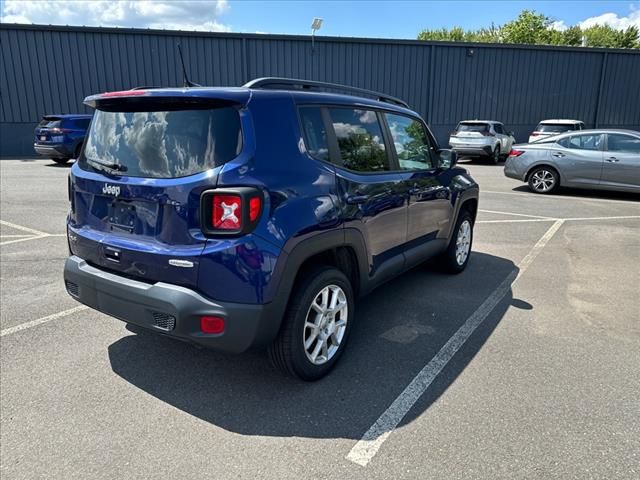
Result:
[[238, 218], [60, 137]]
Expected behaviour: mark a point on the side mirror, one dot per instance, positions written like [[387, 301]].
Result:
[[448, 158], [512, 134]]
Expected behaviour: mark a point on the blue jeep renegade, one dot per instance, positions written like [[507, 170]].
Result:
[[246, 217]]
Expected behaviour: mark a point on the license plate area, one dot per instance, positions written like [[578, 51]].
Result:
[[122, 216]]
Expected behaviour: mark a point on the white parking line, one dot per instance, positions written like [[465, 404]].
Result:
[[621, 217], [24, 229], [517, 214], [34, 234], [366, 448], [40, 321], [519, 220]]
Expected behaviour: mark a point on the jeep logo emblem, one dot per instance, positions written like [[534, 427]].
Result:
[[111, 189]]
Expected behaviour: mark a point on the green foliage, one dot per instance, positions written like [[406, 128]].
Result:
[[533, 28]]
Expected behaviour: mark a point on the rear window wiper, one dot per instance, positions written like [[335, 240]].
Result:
[[110, 165]]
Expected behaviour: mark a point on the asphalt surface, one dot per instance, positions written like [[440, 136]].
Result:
[[546, 385]]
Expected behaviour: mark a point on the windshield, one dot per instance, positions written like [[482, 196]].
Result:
[[555, 127], [473, 127], [163, 144]]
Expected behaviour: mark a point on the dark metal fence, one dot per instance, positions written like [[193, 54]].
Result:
[[47, 70]]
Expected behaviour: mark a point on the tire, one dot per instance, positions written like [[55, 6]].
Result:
[[293, 350], [456, 257], [61, 161], [495, 155], [543, 180]]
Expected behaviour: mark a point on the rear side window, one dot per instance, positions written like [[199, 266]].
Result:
[[360, 139], [315, 135], [556, 127], [80, 123], [163, 144], [498, 128], [623, 143], [584, 142], [410, 141], [473, 127]]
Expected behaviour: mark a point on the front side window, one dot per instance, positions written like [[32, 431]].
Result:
[[360, 139], [163, 144], [315, 135], [584, 142], [623, 143], [410, 141]]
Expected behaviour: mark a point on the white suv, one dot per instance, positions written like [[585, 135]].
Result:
[[547, 128], [482, 138]]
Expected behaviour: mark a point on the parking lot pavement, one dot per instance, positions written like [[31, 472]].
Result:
[[527, 365]]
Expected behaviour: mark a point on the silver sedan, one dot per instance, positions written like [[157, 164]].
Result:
[[598, 159]]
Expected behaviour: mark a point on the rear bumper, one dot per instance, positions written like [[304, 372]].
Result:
[[168, 309], [482, 150], [51, 151], [515, 168]]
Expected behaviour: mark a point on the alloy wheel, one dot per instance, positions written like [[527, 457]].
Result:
[[325, 324], [543, 180], [463, 242]]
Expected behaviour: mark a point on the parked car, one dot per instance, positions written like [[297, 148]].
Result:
[[60, 137], [598, 159], [235, 218], [549, 128], [482, 138]]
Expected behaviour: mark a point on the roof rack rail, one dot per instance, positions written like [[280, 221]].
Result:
[[309, 84]]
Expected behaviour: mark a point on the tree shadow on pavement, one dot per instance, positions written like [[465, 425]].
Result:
[[398, 330]]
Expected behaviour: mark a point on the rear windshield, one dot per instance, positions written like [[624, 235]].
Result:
[[555, 127], [473, 127], [163, 144], [50, 122]]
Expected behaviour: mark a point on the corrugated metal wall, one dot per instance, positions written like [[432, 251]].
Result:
[[52, 69]]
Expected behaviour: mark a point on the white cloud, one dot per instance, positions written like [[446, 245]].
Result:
[[201, 15], [613, 20], [559, 25]]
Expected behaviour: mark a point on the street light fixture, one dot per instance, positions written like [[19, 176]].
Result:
[[315, 26]]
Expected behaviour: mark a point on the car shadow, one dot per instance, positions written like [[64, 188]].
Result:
[[398, 330], [583, 192], [69, 164]]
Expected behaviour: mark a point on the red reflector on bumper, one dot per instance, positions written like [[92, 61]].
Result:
[[212, 324]]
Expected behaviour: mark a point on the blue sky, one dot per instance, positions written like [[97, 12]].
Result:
[[360, 18]]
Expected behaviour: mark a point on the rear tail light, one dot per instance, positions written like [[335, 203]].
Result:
[[488, 134], [212, 324], [454, 133], [58, 131], [234, 211], [535, 134], [515, 153]]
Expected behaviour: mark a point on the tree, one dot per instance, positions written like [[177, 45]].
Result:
[[533, 28]]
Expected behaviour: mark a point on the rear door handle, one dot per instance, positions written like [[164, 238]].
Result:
[[357, 199], [558, 155], [612, 160]]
